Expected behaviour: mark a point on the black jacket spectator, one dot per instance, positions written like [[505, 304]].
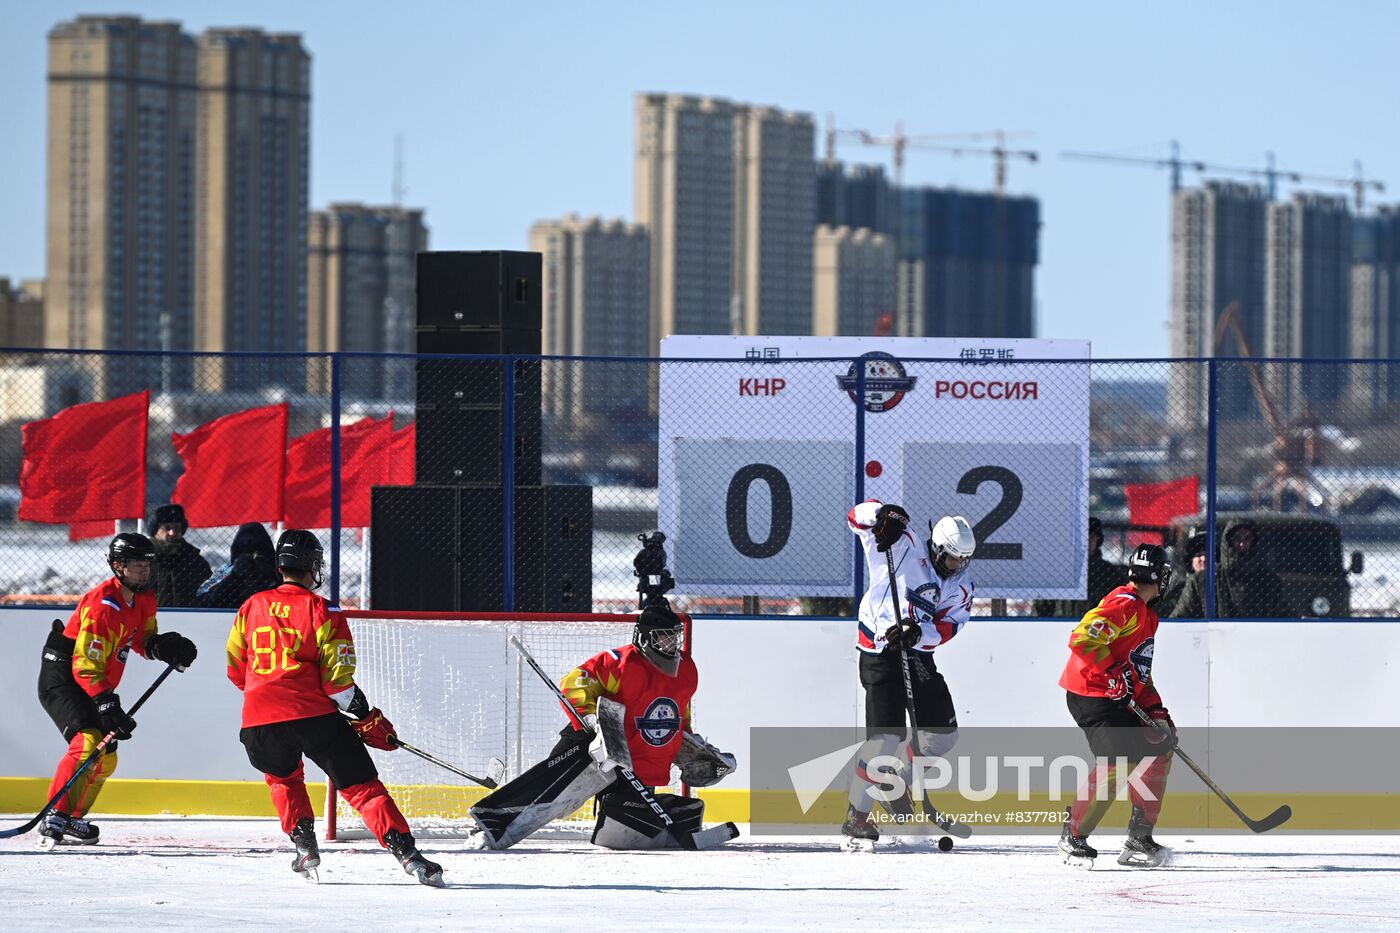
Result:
[[251, 568], [179, 568], [1244, 586]]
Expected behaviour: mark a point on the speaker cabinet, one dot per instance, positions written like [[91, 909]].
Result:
[[497, 288], [462, 444], [439, 548]]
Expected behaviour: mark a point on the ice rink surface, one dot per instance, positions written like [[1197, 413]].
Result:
[[153, 874]]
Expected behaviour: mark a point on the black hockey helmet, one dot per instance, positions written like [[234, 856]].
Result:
[[127, 547], [299, 550], [1149, 564], [660, 635]]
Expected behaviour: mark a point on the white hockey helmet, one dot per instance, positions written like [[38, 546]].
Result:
[[951, 536]]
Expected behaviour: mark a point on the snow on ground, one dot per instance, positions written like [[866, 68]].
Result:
[[154, 874]]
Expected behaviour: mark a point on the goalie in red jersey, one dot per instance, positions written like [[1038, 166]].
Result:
[[646, 687], [291, 653], [1110, 667]]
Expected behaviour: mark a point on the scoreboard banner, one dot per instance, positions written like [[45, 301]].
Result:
[[758, 457]]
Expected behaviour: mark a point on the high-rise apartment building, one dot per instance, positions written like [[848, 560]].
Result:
[[21, 314], [250, 234], [1218, 259], [360, 294], [775, 201], [853, 282], [121, 190], [596, 303], [855, 196], [684, 196], [967, 263], [1375, 310], [727, 194], [1307, 300]]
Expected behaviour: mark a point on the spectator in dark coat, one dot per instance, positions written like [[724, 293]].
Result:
[[1103, 577], [1244, 586], [1195, 563], [251, 568], [179, 568]]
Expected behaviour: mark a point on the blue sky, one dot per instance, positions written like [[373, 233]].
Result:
[[512, 113]]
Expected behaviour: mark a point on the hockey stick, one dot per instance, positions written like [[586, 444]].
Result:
[[1274, 820], [96, 754], [944, 823], [495, 769], [686, 840]]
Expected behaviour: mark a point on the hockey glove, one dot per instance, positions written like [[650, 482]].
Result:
[[1121, 682], [171, 648], [376, 731], [1162, 726], [889, 526], [112, 716], [905, 635]]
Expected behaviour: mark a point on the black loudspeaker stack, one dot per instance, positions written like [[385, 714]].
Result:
[[439, 545]]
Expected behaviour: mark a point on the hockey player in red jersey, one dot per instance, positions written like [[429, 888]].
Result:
[[935, 588], [292, 655], [81, 669], [1110, 664]]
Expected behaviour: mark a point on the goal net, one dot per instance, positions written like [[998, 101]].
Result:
[[454, 687]]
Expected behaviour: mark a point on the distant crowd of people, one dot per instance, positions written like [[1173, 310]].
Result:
[[1245, 587]]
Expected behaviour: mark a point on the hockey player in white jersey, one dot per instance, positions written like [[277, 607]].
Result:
[[935, 590]]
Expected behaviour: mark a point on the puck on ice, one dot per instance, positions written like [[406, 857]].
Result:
[[945, 844]]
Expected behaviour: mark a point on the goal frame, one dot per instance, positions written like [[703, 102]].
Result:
[[615, 618]]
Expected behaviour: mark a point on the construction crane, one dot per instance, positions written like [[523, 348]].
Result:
[[900, 142], [1358, 183], [1296, 445]]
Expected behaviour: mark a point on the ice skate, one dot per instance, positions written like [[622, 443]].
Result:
[[1075, 850], [1140, 850], [859, 832], [308, 857], [413, 862], [61, 829]]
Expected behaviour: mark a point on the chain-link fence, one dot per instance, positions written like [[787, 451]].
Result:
[[748, 466]]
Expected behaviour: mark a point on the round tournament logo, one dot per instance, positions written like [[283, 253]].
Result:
[[1141, 658], [923, 602], [885, 381], [660, 723]]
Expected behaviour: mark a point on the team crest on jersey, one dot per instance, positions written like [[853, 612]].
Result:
[[660, 723], [1142, 659], [886, 382], [923, 602]]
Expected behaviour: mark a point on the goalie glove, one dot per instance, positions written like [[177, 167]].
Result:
[[700, 763], [598, 751]]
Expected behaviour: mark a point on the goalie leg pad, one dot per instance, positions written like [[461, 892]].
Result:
[[555, 787], [624, 822]]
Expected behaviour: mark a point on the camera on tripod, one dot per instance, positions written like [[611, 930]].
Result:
[[654, 581]]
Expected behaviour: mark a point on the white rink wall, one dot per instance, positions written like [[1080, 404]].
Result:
[[778, 671]]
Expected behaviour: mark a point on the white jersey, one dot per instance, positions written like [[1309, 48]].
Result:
[[942, 607]]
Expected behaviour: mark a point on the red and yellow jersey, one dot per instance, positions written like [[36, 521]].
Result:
[[104, 629], [1120, 628], [289, 652], [658, 706]]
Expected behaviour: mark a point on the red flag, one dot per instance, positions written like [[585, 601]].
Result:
[[402, 451], [233, 468], [1159, 503], [86, 463], [83, 531], [364, 462]]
